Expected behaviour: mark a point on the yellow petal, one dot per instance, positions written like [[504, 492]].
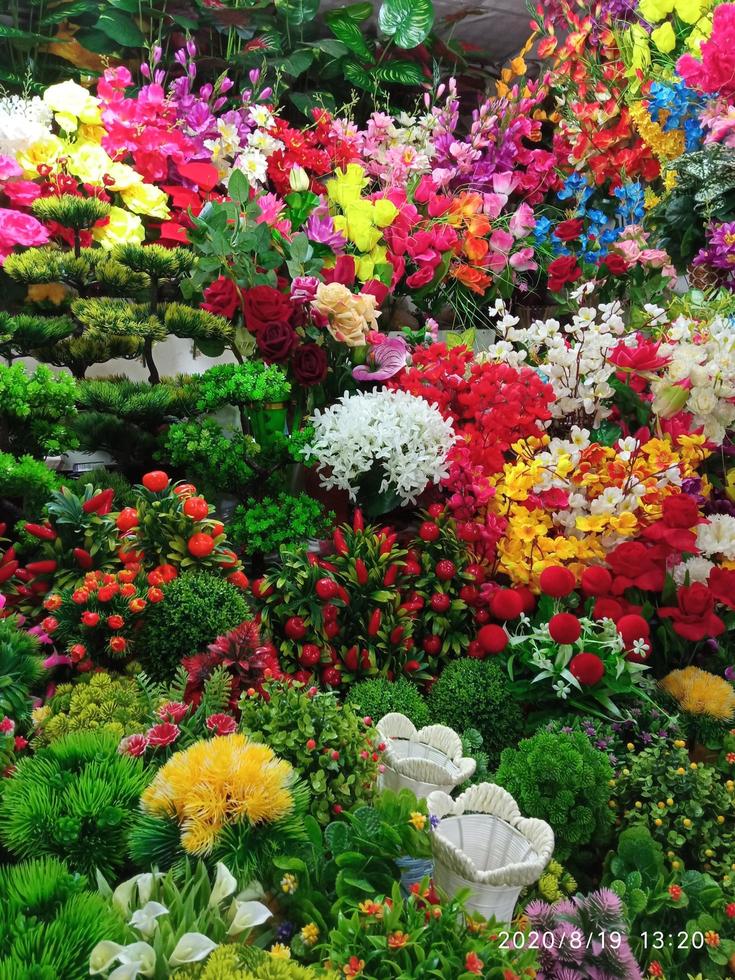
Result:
[[664, 38]]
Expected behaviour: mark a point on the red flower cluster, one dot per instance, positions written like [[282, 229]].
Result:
[[694, 615]]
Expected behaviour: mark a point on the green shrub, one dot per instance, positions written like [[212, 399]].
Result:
[[35, 409], [564, 780], [251, 383], [307, 731], [95, 702], [474, 694], [73, 800], [266, 525], [50, 922], [214, 461], [26, 480], [378, 696], [197, 608], [21, 667]]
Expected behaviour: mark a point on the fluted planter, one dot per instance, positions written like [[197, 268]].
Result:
[[482, 842], [423, 761]]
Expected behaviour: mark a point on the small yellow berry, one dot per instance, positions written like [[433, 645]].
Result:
[[709, 852], [687, 822], [720, 819], [611, 782], [638, 804], [676, 865], [661, 805], [612, 804], [626, 772], [692, 765], [679, 743], [669, 802], [659, 822], [681, 770], [630, 746]]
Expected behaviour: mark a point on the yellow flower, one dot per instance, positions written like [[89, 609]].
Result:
[[385, 213], [664, 38], [417, 820], [218, 782], [47, 292], [289, 883], [121, 227], [700, 693], [89, 162], [72, 105], [310, 933], [280, 952], [656, 10], [347, 185], [44, 152], [146, 199]]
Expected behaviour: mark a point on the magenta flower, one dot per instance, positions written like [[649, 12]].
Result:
[[384, 360]]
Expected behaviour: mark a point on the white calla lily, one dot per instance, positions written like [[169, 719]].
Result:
[[103, 886], [145, 885], [123, 894], [103, 956], [141, 955], [224, 885], [251, 892], [144, 919], [126, 971], [191, 948], [247, 915]]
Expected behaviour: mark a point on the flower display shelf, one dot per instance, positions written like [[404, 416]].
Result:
[[482, 842], [423, 761]]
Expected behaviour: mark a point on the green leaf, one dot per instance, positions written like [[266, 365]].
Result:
[[337, 837], [96, 41], [331, 46], [120, 29], [358, 11], [408, 22], [210, 347], [346, 30], [298, 62], [238, 187], [16, 34], [358, 76], [401, 72], [298, 11]]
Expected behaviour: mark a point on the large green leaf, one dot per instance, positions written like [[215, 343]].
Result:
[[402, 72], [358, 11], [96, 41], [68, 12], [298, 62], [306, 101], [408, 22], [16, 34], [120, 28], [346, 30], [298, 11], [358, 76]]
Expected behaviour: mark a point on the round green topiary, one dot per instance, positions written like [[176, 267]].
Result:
[[563, 779], [474, 694], [379, 696], [197, 608]]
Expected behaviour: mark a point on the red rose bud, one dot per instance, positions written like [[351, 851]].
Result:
[[374, 623], [77, 652], [115, 622], [154, 595], [90, 618], [101, 503], [82, 558], [340, 544], [42, 567], [596, 580], [358, 523], [49, 624], [40, 532], [7, 571], [118, 644], [391, 575], [361, 571]]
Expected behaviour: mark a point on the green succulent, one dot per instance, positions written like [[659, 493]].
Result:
[[95, 702]]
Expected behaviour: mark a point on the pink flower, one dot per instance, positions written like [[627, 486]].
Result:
[[163, 734], [20, 743], [422, 277], [22, 193], [523, 260], [221, 724], [501, 241], [522, 222], [9, 168], [505, 183], [384, 360], [7, 726], [17, 228], [134, 745], [493, 204], [172, 711]]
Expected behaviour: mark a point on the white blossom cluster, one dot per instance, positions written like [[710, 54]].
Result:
[[405, 436], [22, 122], [230, 153], [573, 358]]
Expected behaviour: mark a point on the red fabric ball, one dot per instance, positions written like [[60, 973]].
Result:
[[587, 668], [565, 628], [492, 638], [633, 627], [607, 609], [557, 581], [506, 604], [596, 580], [527, 598]]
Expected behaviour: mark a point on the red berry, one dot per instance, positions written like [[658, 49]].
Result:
[[607, 609], [596, 580], [436, 510], [469, 594], [482, 616], [475, 650], [440, 602], [476, 573], [310, 655], [492, 638], [633, 627], [127, 519], [557, 581], [336, 808], [260, 589], [412, 567], [331, 628], [565, 628], [445, 570], [155, 481], [329, 612], [239, 579], [506, 604], [311, 744], [200, 545], [302, 676], [335, 756], [587, 668], [196, 508], [332, 676], [326, 589], [429, 531], [217, 529], [432, 645], [411, 666], [294, 628]]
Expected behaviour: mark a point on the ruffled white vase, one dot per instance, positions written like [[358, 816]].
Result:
[[423, 761]]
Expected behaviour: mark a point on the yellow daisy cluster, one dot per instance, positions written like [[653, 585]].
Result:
[[665, 146], [534, 539], [219, 781], [79, 152], [700, 693], [358, 219]]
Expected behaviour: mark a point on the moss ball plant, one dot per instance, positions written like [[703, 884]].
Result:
[[564, 780], [379, 696], [197, 608], [474, 694], [73, 800]]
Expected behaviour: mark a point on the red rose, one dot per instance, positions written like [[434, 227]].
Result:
[[264, 305], [721, 584], [222, 297], [276, 341], [567, 231], [309, 364], [562, 271], [163, 734], [221, 724], [694, 617], [635, 565], [615, 264]]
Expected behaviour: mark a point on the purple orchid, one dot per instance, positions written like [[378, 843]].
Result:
[[384, 360]]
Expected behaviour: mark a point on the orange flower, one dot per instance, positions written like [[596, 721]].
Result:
[[472, 278], [479, 225], [397, 940], [374, 909], [354, 967], [475, 248], [473, 963]]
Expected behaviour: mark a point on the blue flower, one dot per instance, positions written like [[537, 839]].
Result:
[[574, 184]]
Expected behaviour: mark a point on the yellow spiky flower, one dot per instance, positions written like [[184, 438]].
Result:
[[700, 693], [217, 782]]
